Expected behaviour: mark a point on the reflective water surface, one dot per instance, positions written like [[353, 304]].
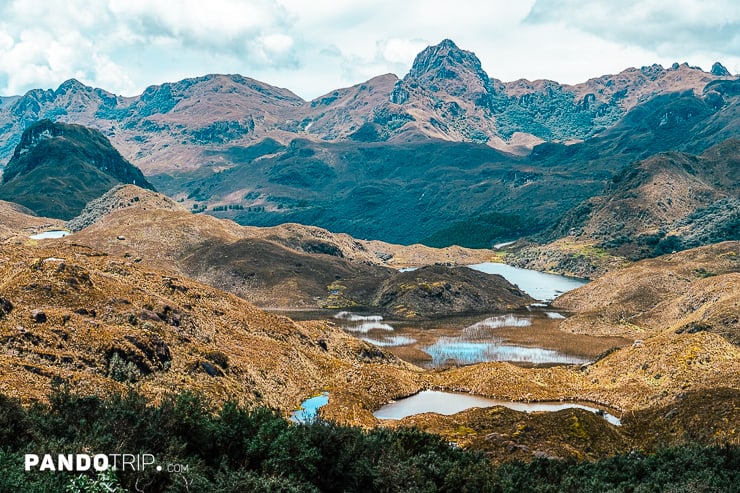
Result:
[[538, 285], [46, 235], [526, 337], [309, 408], [432, 401]]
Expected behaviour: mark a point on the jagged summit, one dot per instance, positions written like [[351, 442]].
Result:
[[719, 70], [446, 67], [444, 56], [445, 95], [71, 85]]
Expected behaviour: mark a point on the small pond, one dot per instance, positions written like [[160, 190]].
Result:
[[309, 409], [47, 235], [432, 401]]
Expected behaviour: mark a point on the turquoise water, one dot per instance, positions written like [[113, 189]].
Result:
[[309, 409]]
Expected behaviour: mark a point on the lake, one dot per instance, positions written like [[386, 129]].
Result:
[[309, 409], [526, 337], [539, 285], [47, 235], [529, 337], [432, 401]]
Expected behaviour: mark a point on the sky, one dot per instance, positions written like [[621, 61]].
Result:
[[315, 46]]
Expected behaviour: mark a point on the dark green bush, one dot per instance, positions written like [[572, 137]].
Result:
[[255, 449]]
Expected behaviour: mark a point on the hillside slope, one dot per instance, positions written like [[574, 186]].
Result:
[[17, 223], [57, 168], [692, 291], [102, 323], [645, 204], [286, 266], [666, 203]]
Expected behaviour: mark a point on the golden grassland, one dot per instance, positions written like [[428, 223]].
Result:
[[105, 323]]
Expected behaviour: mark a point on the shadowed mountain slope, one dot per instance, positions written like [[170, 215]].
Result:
[[406, 192], [57, 168], [669, 202]]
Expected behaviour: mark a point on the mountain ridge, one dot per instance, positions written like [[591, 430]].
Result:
[[427, 145], [237, 109]]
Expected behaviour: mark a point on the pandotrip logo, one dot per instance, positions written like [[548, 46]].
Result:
[[98, 462]]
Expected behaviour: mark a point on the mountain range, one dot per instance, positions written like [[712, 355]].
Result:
[[401, 160], [187, 288], [445, 95]]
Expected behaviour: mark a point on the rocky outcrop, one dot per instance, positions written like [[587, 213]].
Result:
[[719, 70], [121, 197], [441, 290]]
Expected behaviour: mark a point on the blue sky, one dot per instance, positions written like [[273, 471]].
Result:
[[312, 47]]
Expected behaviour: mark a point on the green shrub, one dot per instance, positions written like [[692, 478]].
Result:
[[237, 448], [121, 370]]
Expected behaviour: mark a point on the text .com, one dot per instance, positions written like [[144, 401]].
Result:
[[97, 462]]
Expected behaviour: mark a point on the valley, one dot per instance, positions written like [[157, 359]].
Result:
[[119, 320], [566, 257]]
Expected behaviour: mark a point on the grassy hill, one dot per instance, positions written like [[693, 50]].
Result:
[[57, 168]]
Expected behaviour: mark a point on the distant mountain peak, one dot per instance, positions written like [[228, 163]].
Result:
[[71, 85], [719, 70], [445, 60]]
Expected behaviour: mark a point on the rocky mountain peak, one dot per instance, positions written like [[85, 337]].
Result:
[[719, 70], [446, 61], [445, 71], [71, 86]]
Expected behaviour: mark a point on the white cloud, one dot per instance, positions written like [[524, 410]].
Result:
[[225, 24], [397, 50], [317, 46], [668, 27]]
